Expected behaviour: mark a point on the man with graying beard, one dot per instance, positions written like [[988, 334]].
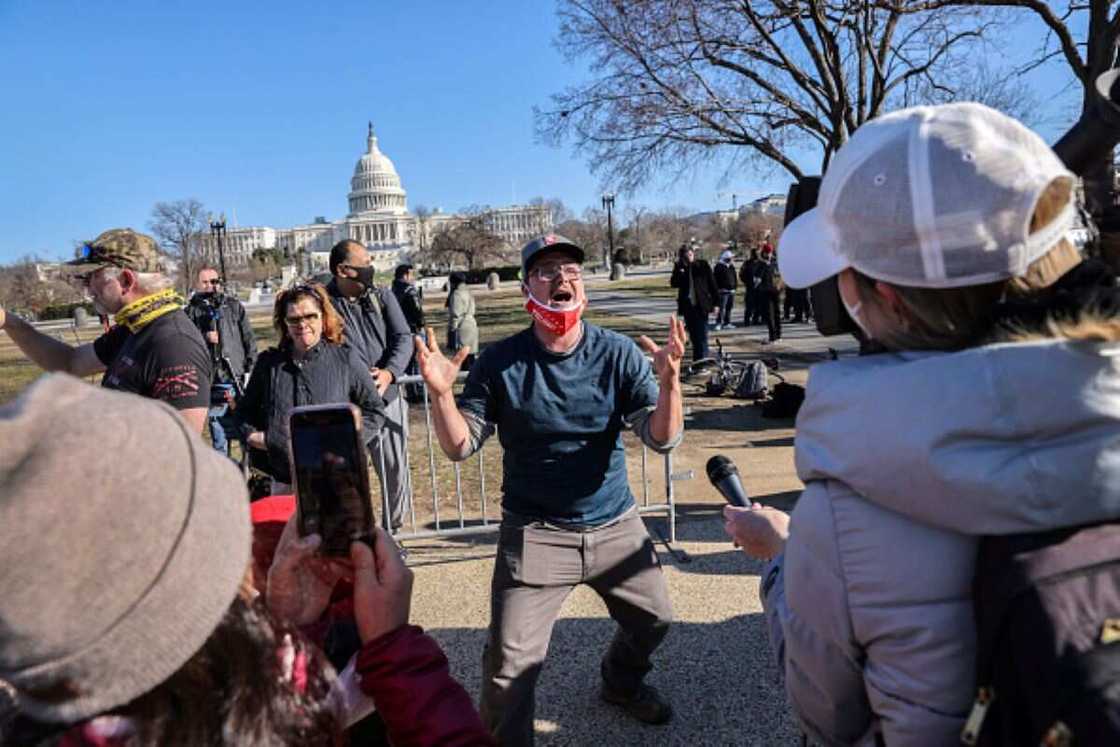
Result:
[[152, 350], [375, 327], [560, 392]]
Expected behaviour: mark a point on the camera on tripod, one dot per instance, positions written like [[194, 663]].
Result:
[[1081, 148]]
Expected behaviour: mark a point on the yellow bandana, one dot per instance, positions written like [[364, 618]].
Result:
[[144, 310]]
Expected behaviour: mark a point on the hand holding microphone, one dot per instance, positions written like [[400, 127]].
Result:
[[724, 475], [761, 531]]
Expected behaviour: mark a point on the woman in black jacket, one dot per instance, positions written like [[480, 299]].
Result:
[[310, 366]]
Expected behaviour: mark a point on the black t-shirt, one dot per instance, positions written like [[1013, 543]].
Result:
[[167, 359]]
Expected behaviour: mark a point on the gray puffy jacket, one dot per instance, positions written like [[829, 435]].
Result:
[[907, 459]]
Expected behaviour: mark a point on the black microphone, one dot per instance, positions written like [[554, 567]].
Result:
[[724, 476]]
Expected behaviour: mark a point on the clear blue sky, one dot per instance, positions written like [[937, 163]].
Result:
[[259, 109]]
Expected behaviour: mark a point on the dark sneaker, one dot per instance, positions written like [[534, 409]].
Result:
[[646, 704]]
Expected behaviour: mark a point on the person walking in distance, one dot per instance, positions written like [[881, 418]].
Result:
[[769, 288], [726, 283], [696, 297], [750, 293], [559, 393], [411, 299], [462, 329]]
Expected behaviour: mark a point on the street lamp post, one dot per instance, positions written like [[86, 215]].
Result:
[[608, 205], [218, 232]]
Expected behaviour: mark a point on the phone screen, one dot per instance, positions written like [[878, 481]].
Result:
[[332, 479]]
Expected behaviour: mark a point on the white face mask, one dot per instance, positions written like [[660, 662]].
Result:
[[853, 312]]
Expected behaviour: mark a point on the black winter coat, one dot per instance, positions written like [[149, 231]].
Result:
[[699, 274], [235, 333], [327, 374], [725, 276], [408, 296]]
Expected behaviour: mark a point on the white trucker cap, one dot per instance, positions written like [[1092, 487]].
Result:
[[932, 197]]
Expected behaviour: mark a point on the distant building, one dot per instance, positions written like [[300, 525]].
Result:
[[772, 204], [378, 218]]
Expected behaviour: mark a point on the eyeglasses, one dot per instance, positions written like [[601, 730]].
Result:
[[215, 281], [299, 321], [548, 273], [85, 278]]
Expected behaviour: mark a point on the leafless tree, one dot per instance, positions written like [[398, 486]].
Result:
[[422, 213], [560, 211], [28, 286], [468, 241], [179, 227], [752, 228], [1084, 34], [634, 216], [682, 82], [590, 235], [666, 230]]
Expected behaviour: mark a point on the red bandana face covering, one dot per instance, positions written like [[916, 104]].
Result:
[[557, 321]]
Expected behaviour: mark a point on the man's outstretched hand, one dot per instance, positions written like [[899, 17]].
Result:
[[667, 358], [439, 373]]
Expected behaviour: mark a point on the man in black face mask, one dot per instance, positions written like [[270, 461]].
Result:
[[232, 346], [376, 328]]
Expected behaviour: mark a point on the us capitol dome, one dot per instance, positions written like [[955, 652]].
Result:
[[378, 218], [375, 185]]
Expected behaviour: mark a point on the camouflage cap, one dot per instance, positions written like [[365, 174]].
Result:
[[547, 243], [119, 247]]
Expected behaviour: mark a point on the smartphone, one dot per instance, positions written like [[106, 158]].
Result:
[[330, 470]]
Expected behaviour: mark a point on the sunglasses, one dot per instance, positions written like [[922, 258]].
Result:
[[85, 278], [299, 321]]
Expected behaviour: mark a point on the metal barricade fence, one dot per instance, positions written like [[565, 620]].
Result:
[[463, 523]]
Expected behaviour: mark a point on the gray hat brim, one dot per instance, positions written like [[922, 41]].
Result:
[[564, 246]]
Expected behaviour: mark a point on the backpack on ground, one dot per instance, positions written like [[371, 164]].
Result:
[[754, 382], [1047, 608]]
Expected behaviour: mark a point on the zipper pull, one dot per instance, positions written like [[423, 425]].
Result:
[[971, 731]]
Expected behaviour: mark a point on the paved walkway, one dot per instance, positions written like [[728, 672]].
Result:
[[800, 344]]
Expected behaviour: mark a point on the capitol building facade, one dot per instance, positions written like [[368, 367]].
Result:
[[378, 218]]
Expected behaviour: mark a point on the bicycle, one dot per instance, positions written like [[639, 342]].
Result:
[[727, 371]]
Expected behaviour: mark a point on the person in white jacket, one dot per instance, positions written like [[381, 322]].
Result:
[[997, 410]]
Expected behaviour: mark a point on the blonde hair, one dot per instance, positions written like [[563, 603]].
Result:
[[957, 318]]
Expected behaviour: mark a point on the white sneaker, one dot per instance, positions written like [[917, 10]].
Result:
[[729, 326], [718, 326]]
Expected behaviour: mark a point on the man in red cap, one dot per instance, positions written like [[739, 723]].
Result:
[[560, 393]]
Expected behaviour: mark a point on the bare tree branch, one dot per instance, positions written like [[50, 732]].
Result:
[[179, 228], [680, 83]]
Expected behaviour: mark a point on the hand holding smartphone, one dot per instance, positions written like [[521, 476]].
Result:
[[331, 476]]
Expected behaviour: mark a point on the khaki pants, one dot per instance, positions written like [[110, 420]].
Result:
[[394, 480], [537, 565]]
